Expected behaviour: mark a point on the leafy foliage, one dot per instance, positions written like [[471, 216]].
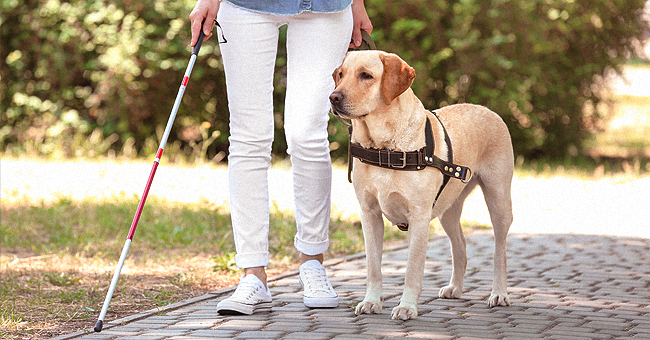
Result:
[[537, 63], [111, 70], [86, 78]]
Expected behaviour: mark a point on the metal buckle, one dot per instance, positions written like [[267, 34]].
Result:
[[470, 176], [398, 166]]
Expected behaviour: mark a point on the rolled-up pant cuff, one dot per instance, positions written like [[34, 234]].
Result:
[[251, 260], [311, 248]]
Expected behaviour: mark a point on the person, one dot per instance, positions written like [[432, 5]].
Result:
[[319, 33]]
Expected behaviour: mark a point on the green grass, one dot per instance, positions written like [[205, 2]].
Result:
[[583, 167], [98, 228], [95, 228]]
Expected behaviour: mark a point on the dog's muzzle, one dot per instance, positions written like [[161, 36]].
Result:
[[341, 108], [336, 99]]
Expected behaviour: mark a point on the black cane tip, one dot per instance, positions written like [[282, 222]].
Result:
[[99, 325]]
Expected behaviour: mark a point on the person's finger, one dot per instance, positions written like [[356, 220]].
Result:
[[210, 20], [195, 18], [356, 37]]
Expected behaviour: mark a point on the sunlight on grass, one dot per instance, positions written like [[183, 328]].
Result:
[[98, 228], [627, 130]]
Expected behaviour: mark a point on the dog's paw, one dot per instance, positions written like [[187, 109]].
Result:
[[402, 312], [451, 292], [499, 300], [368, 307]]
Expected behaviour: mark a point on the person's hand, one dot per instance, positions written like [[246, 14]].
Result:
[[361, 22], [204, 9]]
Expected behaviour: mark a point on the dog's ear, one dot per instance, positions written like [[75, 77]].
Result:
[[397, 78], [336, 77], [337, 71]]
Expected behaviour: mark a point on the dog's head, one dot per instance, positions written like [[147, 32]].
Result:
[[367, 80]]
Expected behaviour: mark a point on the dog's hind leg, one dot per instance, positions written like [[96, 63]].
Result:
[[450, 221], [499, 202], [373, 233]]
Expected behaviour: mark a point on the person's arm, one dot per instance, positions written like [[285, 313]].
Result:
[[361, 22], [204, 9]]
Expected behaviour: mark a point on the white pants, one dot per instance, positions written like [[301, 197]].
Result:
[[316, 45]]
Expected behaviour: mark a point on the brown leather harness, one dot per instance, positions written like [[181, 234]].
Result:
[[412, 160]]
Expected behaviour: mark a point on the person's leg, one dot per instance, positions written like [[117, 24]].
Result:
[[249, 61], [316, 45]]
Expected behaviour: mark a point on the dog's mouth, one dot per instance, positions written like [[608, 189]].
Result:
[[341, 107], [342, 113], [347, 116], [338, 112]]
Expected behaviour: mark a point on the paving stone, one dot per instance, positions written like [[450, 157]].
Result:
[[308, 335], [429, 335], [354, 337], [166, 332], [214, 333], [194, 323], [289, 326], [242, 325], [260, 335], [520, 336]]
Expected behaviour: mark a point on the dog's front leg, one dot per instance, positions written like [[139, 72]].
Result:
[[373, 233], [418, 241]]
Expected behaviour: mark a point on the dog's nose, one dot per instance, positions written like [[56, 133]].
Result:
[[336, 97]]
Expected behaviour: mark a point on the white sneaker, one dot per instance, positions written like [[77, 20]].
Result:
[[318, 291], [250, 297]]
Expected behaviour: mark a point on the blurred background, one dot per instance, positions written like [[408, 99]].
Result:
[[87, 78]]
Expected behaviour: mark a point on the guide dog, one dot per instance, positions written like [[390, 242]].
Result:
[[372, 89]]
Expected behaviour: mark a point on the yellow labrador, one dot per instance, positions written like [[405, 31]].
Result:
[[373, 90]]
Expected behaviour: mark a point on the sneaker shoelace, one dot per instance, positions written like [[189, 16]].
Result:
[[246, 290], [316, 280]]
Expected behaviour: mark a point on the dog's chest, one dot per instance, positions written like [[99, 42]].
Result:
[[399, 195]]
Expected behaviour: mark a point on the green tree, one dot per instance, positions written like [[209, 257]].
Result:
[[84, 77], [537, 63], [82, 68]]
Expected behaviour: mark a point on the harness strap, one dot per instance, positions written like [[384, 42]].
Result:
[[440, 163], [397, 160], [411, 160], [448, 168]]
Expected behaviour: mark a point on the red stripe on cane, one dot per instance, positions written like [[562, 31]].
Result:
[[159, 153], [143, 199], [185, 80]]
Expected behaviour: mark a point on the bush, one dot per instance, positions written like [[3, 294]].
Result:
[[94, 77], [106, 69], [537, 63]]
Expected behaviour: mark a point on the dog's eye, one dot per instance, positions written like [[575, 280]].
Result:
[[340, 75], [365, 76]]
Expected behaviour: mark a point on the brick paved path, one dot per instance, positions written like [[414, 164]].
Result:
[[561, 286]]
